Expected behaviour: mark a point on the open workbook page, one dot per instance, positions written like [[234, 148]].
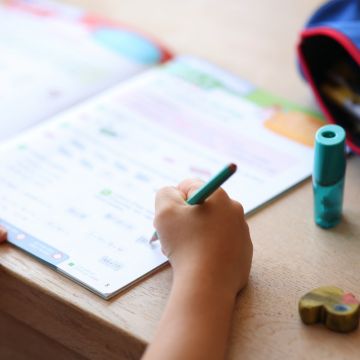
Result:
[[52, 56], [78, 191]]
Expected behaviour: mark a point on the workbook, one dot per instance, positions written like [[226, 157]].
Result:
[[95, 118]]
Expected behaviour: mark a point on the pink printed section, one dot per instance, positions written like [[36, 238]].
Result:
[[187, 123], [34, 9]]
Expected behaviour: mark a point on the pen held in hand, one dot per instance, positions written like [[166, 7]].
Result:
[[207, 189]]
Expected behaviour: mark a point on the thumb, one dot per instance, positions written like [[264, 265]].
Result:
[[189, 187], [168, 197]]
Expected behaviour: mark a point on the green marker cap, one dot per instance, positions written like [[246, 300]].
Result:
[[330, 162]]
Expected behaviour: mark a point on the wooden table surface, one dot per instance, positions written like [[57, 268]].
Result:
[[256, 40]]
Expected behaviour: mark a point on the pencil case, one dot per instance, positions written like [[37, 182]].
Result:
[[329, 58]]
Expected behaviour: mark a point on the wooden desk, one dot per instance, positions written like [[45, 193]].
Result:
[[47, 316]]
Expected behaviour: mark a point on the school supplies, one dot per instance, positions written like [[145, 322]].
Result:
[[342, 86], [208, 188], [77, 190], [329, 56], [337, 310], [329, 175], [54, 56]]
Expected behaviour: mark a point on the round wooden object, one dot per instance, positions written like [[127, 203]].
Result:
[[337, 310]]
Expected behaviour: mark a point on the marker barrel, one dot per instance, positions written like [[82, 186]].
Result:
[[329, 175]]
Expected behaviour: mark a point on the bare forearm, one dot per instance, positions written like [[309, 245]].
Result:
[[196, 322], [210, 251]]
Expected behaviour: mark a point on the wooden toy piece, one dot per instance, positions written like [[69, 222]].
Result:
[[337, 310]]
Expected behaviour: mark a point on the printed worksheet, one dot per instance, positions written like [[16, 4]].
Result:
[[78, 191], [53, 56]]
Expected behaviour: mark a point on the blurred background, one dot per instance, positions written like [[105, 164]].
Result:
[[243, 36]]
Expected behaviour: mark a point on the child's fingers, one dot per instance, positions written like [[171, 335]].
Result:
[[168, 197], [167, 201], [3, 234], [238, 206], [189, 186], [219, 196]]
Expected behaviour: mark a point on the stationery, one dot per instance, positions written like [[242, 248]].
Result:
[[207, 189], [95, 124], [336, 309]]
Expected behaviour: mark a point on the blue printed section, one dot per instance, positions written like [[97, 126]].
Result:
[[129, 44], [35, 247]]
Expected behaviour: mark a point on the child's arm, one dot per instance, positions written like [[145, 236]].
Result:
[[210, 250], [3, 235]]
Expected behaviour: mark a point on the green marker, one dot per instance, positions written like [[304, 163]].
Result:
[[207, 189]]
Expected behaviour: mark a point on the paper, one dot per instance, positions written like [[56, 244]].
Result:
[[78, 191], [53, 56]]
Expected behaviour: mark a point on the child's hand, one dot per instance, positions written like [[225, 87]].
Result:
[[210, 250], [209, 243], [3, 235]]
